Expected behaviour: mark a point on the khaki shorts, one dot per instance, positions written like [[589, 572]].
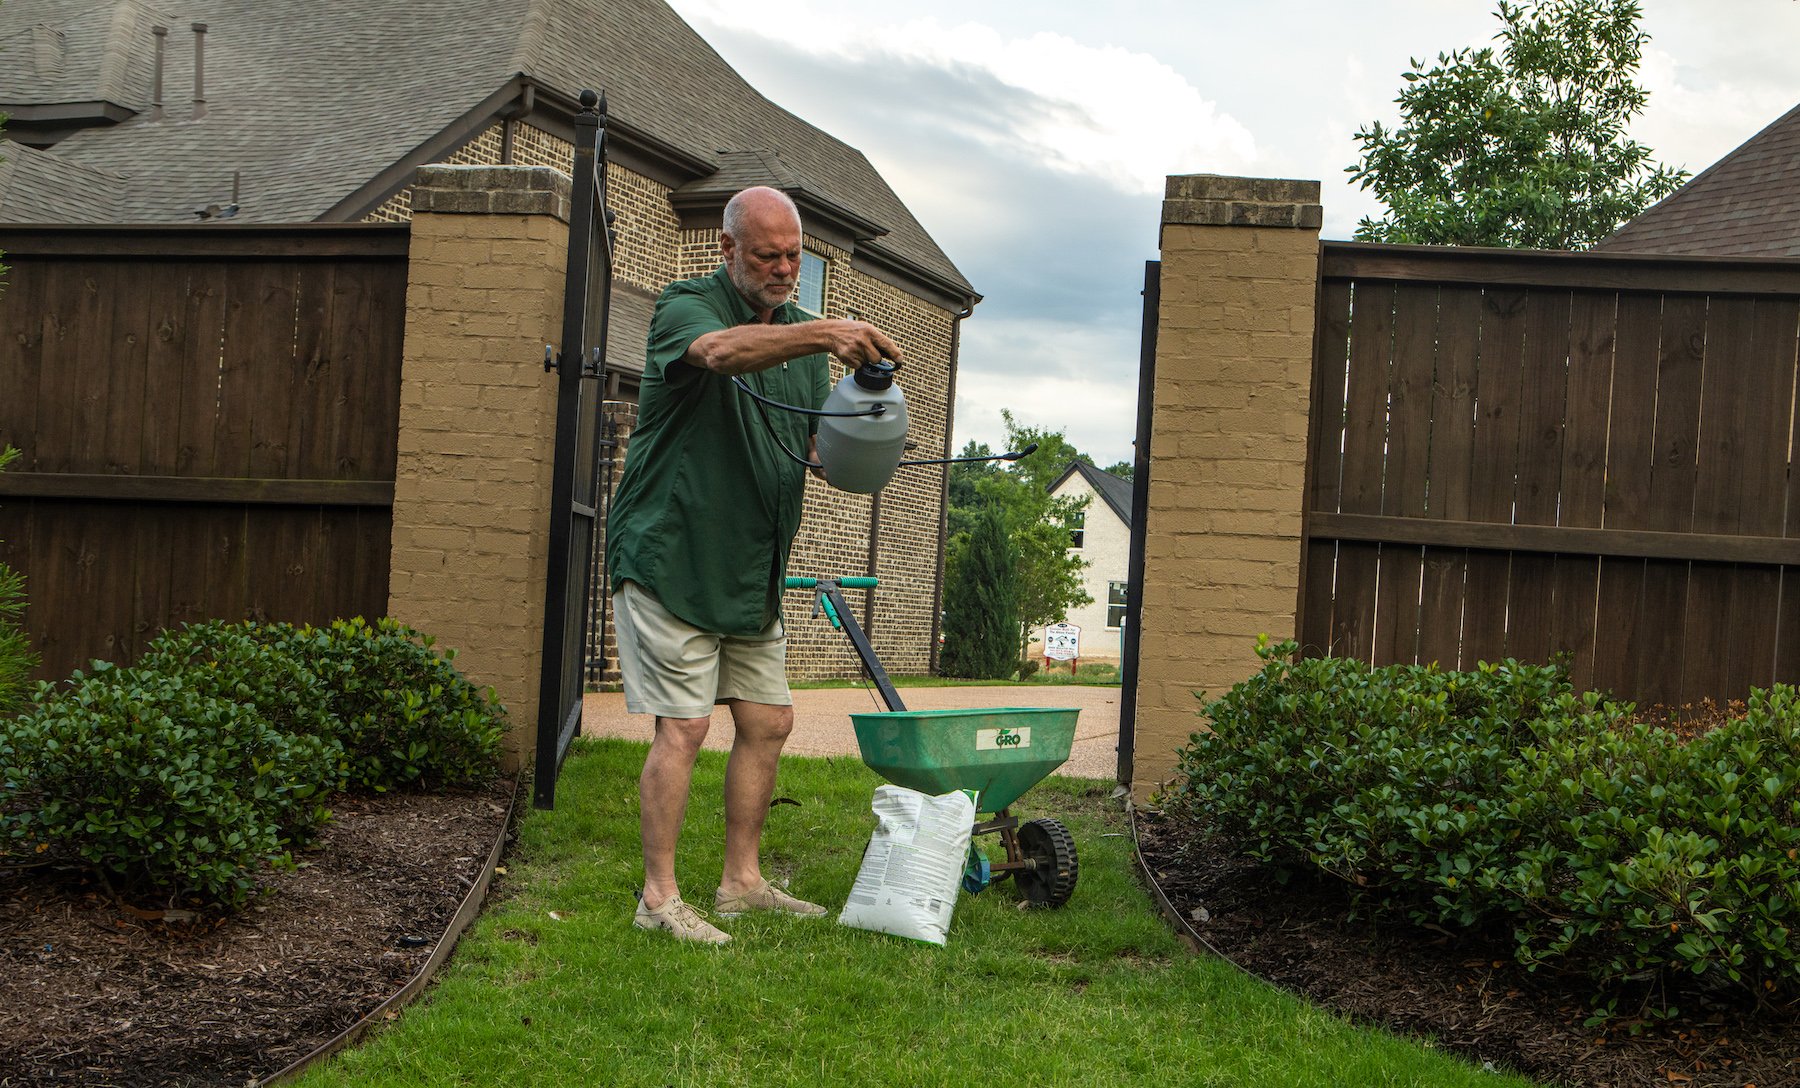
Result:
[[675, 670]]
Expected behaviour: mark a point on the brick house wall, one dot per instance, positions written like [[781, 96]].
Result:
[[652, 250]]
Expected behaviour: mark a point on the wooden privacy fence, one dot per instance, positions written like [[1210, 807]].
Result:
[[1526, 455], [208, 419]]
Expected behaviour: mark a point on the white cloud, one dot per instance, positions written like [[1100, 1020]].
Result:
[[1695, 117], [1103, 111], [1079, 378], [1097, 418], [1032, 137]]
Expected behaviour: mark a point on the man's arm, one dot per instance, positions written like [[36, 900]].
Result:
[[744, 349]]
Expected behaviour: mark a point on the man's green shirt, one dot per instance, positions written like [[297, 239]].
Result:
[[709, 504]]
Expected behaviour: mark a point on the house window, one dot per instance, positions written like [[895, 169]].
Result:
[[1077, 526], [811, 293], [1115, 603]]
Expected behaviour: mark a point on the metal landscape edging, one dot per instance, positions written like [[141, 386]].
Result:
[[1183, 927], [465, 914]]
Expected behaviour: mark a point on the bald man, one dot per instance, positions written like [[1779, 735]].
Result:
[[698, 539]]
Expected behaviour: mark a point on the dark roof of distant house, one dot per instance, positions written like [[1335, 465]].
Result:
[[1745, 205], [1115, 490], [312, 106]]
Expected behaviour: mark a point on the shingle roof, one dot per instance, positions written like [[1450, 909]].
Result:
[[40, 187], [307, 100], [1746, 204], [629, 327], [53, 51], [1114, 490]]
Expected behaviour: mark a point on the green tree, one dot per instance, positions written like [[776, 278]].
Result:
[[981, 602], [1122, 470], [965, 480], [1047, 579], [1521, 147]]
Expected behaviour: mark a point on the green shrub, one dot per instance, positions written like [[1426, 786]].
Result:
[[232, 661], [1500, 797], [16, 657], [403, 713], [160, 784], [215, 753]]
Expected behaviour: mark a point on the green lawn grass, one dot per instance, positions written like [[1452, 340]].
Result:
[[1097, 993]]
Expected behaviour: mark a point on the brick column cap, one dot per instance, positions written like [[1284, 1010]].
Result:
[[1217, 200], [492, 190]]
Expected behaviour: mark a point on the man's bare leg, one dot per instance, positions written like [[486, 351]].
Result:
[[762, 730], [663, 798]]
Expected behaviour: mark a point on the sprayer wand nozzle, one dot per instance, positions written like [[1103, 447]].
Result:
[[1013, 456]]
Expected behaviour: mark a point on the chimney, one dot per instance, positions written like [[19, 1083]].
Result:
[[199, 70], [156, 102]]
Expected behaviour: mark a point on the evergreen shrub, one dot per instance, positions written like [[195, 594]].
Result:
[[161, 785], [16, 657], [981, 610], [213, 756], [1500, 797], [403, 713]]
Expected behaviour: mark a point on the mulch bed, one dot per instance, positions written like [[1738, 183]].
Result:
[[94, 991], [1465, 993]]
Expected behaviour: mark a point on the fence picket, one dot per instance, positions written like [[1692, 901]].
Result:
[[1581, 391], [189, 354]]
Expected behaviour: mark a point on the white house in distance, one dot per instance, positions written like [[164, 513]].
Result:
[[1104, 541]]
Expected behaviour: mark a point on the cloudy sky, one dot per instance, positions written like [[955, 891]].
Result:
[[1032, 139]]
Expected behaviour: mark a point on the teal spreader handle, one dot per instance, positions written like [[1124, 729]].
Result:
[[845, 583]]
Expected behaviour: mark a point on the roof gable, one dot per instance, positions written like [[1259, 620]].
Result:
[[38, 183], [1115, 491], [1746, 205], [68, 66]]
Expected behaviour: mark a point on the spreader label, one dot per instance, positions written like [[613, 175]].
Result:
[[993, 740]]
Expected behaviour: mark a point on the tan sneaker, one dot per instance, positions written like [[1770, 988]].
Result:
[[679, 918], [767, 897]]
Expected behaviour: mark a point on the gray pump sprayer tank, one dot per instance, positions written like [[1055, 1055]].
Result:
[[862, 430]]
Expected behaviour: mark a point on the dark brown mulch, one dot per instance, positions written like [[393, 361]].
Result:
[[1466, 993], [93, 992]]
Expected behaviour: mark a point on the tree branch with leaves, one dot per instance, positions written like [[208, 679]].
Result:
[[1524, 146], [1045, 580]]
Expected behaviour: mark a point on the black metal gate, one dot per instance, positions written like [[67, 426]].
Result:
[[574, 491]]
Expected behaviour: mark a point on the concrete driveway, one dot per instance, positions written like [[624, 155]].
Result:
[[822, 719]]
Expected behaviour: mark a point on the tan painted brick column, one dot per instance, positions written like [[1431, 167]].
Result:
[[478, 422], [1228, 446]]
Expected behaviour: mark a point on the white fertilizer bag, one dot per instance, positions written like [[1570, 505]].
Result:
[[911, 872]]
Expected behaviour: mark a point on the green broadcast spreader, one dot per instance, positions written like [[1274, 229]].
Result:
[[999, 753]]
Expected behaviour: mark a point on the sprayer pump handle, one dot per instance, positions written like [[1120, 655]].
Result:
[[876, 375]]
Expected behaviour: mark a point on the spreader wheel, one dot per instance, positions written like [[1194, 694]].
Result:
[[1051, 879]]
